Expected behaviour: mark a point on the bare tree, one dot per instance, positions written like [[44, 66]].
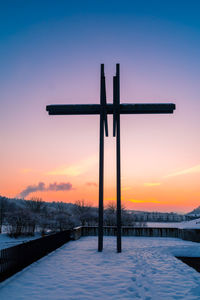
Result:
[[110, 214], [3, 206], [21, 222], [36, 205], [83, 211]]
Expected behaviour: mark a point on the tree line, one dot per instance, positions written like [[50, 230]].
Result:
[[26, 217]]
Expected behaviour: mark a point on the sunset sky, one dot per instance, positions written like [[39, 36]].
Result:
[[50, 53]]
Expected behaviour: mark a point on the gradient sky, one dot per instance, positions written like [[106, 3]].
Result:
[[50, 53]]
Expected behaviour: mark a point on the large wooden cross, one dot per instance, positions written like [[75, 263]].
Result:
[[115, 109]]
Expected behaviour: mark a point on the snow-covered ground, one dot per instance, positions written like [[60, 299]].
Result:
[[6, 241], [194, 224], [146, 269], [163, 224]]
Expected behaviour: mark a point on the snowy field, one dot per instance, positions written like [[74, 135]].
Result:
[[164, 224], [146, 269], [194, 224], [6, 241]]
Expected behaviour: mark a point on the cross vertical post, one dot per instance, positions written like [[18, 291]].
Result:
[[101, 173], [116, 124], [103, 121], [101, 165]]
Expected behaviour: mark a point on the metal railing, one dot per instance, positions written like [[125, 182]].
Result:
[[16, 258]]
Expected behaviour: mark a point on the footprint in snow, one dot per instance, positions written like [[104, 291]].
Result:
[[133, 279]]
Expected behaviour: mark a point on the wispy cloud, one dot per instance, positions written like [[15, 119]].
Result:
[[76, 169], [113, 199], [144, 201], [59, 186], [70, 171], [126, 188], [91, 184], [26, 170], [152, 183], [195, 169], [42, 187]]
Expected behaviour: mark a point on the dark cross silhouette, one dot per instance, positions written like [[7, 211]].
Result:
[[115, 109]]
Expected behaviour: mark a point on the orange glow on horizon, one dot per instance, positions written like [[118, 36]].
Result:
[[171, 195], [179, 193]]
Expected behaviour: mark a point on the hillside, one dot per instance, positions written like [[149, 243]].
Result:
[[195, 212]]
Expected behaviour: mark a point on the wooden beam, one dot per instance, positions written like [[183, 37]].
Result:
[[96, 109]]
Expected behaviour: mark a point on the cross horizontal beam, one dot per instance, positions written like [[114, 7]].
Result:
[[96, 109]]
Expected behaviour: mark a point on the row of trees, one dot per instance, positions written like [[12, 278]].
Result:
[[25, 217]]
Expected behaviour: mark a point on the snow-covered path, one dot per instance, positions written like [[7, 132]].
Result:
[[146, 269]]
